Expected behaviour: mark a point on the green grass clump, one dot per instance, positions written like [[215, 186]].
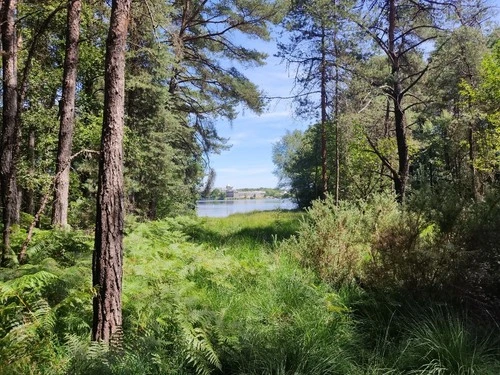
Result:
[[257, 230]]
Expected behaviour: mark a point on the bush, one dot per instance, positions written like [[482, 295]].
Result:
[[377, 244], [336, 241]]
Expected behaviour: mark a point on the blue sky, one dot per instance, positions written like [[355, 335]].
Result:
[[249, 161]]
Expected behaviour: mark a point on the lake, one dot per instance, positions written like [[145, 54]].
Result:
[[217, 208]]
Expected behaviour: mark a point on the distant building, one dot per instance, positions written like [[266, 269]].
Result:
[[253, 194], [229, 192]]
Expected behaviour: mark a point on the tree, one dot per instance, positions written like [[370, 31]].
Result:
[[298, 165], [447, 130], [10, 131], [482, 101], [209, 184], [400, 29], [162, 156], [320, 41], [205, 83], [183, 67], [67, 119], [108, 252]]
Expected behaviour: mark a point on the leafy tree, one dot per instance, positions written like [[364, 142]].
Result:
[[161, 154], [483, 104], [298, 166], [180, 80], [445, 129], [400, 29]]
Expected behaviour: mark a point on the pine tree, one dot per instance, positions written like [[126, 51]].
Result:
[[61, 186], [108, 251], [10, 131]]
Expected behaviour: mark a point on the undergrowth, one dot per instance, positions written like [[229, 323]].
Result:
[[261, 293]]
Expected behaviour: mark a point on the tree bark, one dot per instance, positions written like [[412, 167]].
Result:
[[66, 126], [472, 157], [30, 192], [108, 252], [401, 178], [10, 136], [336, 109], [324, 118]]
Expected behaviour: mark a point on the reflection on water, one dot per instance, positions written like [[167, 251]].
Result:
[[212, 208]]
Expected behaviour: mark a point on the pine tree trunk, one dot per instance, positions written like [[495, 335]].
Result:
[[324, 118], [66, 126], [30, 192], [399, 117], [10, 131], [108, 252], [336, 108]]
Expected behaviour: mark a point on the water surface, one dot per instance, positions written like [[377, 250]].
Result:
[[218, 208]]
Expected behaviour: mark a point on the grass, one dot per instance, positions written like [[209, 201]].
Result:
[[257, 230], [222, 296]]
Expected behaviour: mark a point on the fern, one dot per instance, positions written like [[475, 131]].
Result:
[[199, 351], [32, 284], [36, 303], [29, 334]]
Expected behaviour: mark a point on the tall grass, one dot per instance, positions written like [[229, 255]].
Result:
[[237, 295]]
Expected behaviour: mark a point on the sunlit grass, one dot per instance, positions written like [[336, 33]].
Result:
[[222, 296], [257, 230]]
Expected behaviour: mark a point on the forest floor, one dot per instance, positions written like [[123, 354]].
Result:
[[225, 296]]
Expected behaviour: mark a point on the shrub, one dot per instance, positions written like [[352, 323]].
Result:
[[377, 244], [335, 241], [411, 254]]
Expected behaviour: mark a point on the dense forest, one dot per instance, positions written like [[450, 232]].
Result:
[[109, 113]]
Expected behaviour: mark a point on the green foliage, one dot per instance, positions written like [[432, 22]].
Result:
[[435, 244], [404, 337], [231, 296], [482, 102], [228, 305], [440, 342], [65, 246], [217, 194], [298, 165], [44, 301], [335, 241]]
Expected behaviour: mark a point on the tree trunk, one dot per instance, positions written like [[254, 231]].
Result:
[[324, 118], [336, 108], [66, 126], [10, 131], [30, 191], [108, 252], [403, 162], [399, 117], [473, 172]]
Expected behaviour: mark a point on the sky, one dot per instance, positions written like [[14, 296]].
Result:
[[248, 163]]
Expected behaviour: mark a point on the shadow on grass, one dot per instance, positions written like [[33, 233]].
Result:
[[247, 230]]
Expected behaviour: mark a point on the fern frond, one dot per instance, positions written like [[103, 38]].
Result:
[[199, 351], [34, 283]]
